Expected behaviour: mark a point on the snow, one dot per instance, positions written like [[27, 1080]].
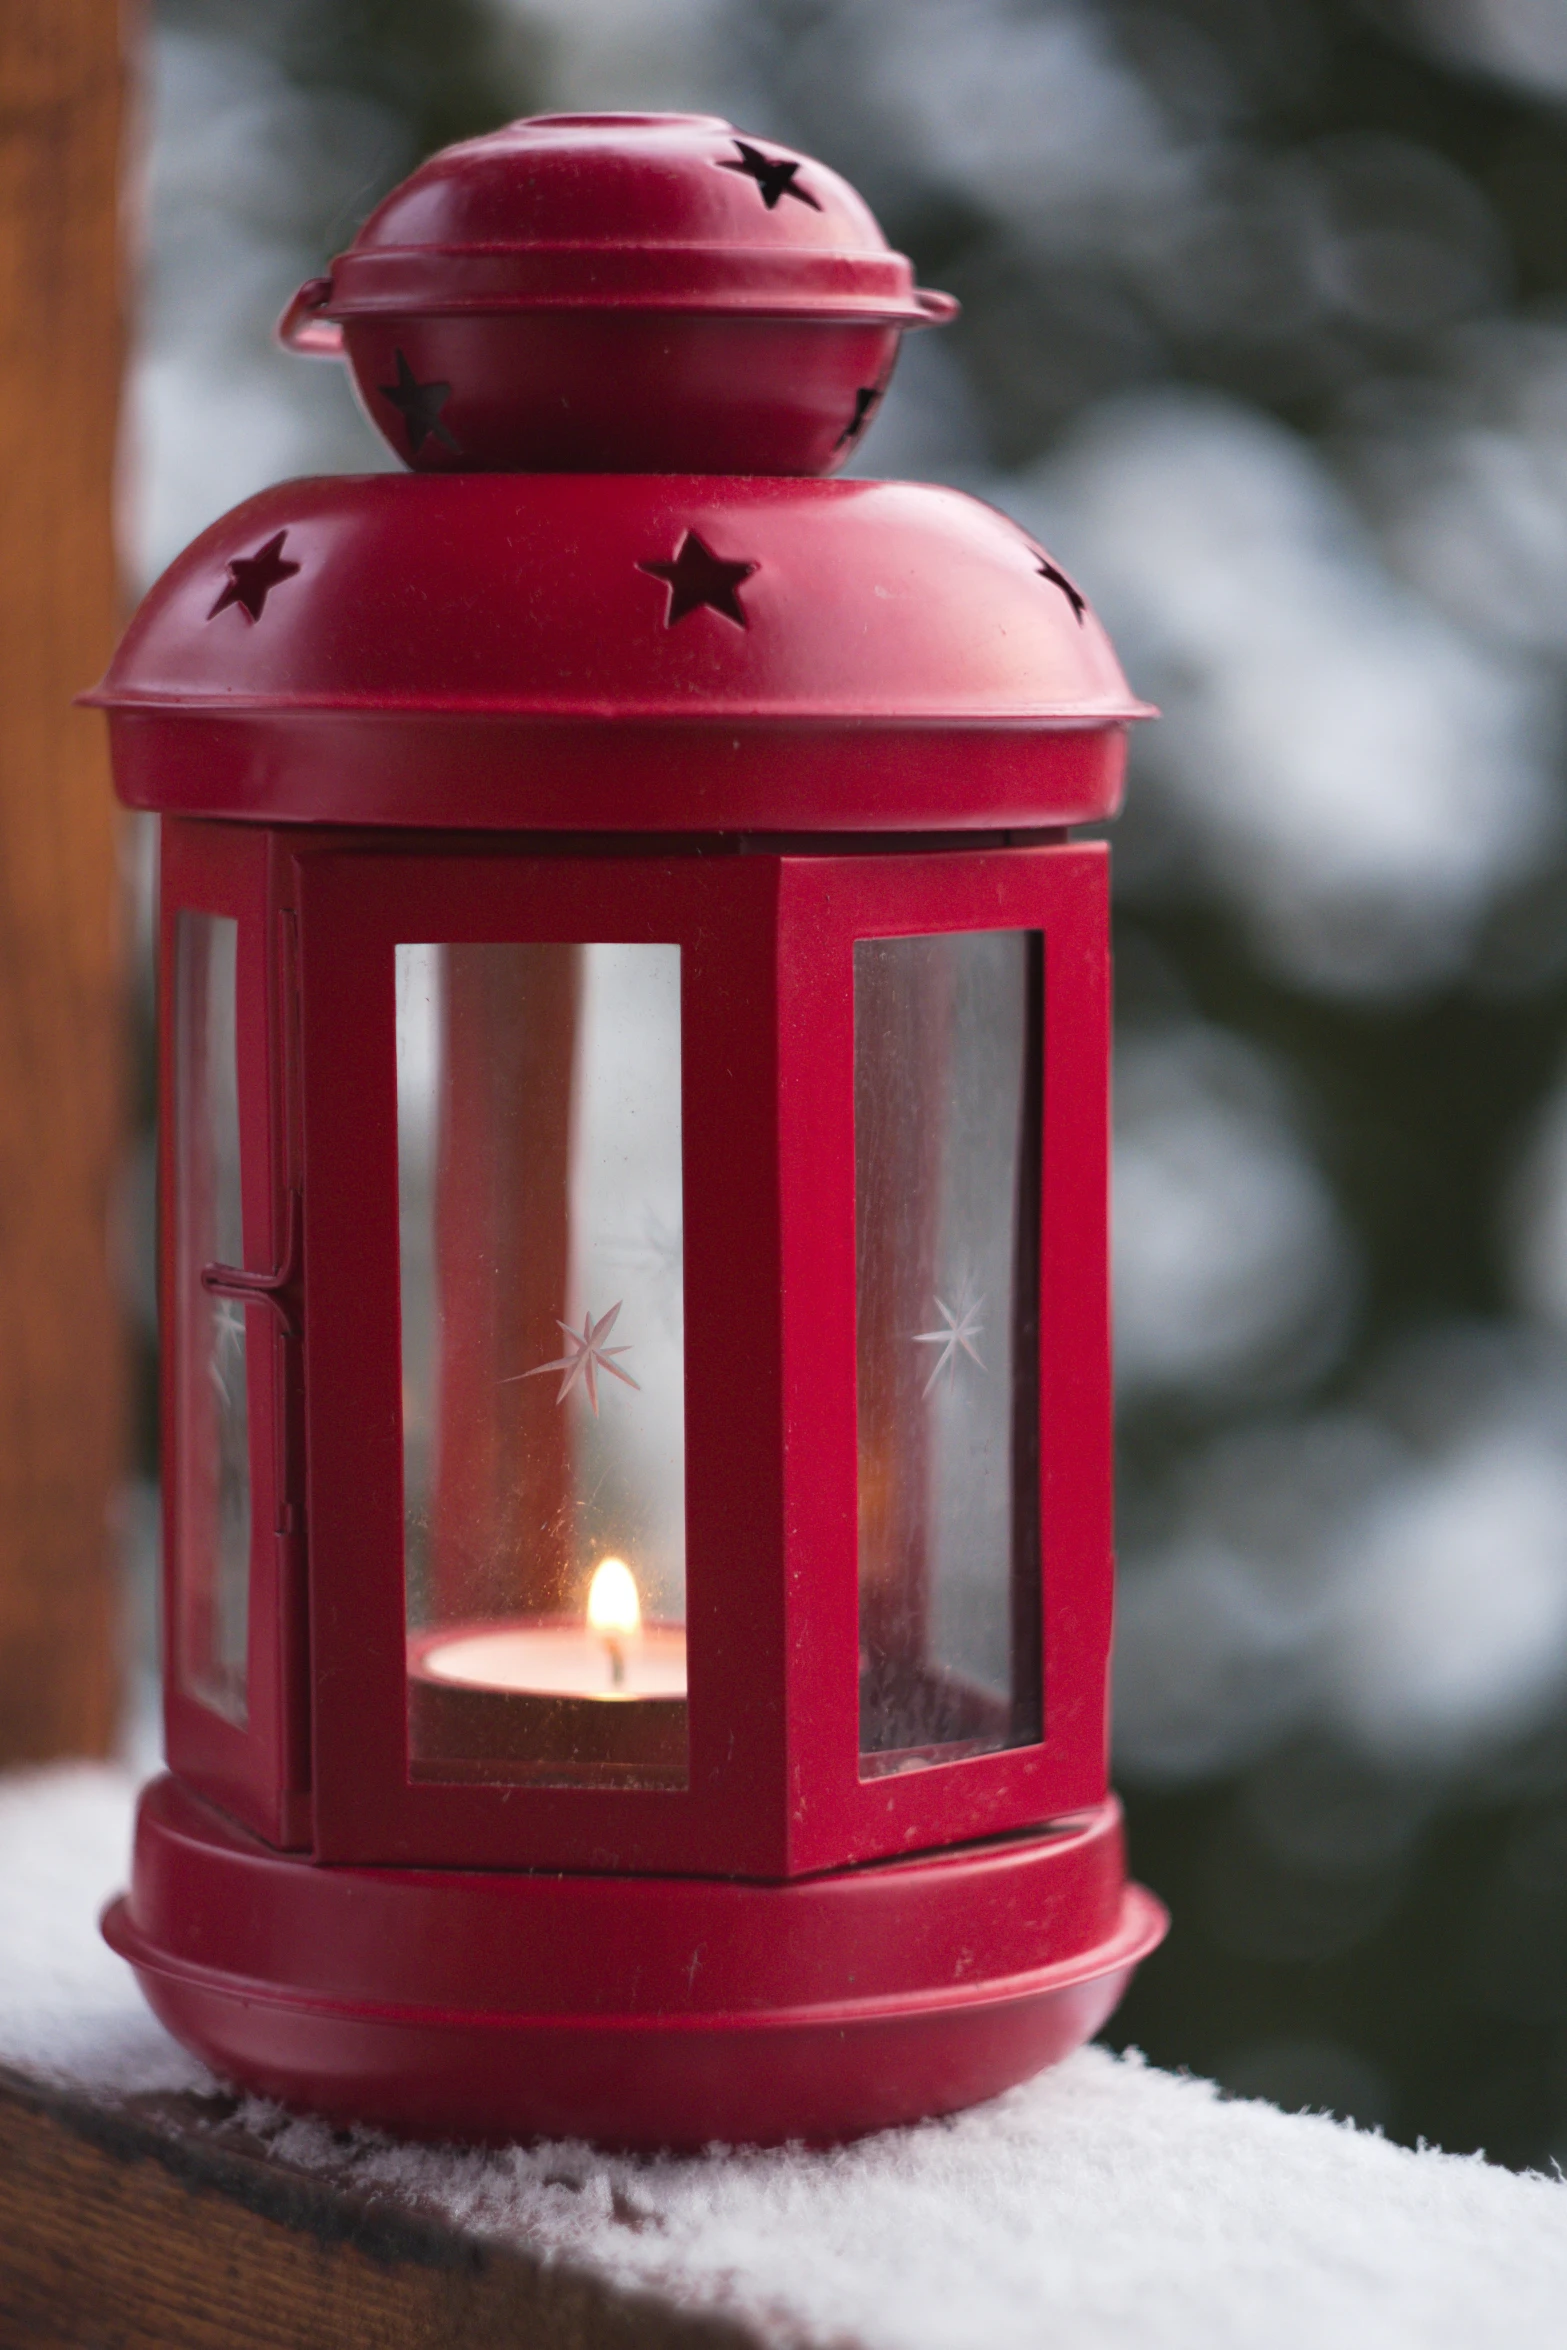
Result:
[[1104, 2204]]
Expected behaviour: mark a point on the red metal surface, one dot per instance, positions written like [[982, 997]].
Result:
[[670, 2011], [617, 293], [551, 390], [495, 654], [633, 781], [543, 597], [759, 718]]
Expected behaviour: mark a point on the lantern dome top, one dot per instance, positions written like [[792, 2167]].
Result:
[[607, 611], [674, 212], [636, 292]]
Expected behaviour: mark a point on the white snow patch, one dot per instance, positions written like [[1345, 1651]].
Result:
[[1104, 2204]]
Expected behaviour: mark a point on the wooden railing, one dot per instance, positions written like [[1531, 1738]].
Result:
[[62, 1050]]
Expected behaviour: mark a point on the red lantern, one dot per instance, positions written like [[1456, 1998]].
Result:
[[634, 1047]]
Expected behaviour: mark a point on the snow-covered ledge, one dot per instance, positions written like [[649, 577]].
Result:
[[1103, 2204]]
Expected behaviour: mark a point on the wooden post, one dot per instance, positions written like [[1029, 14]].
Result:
[[61, 1041]]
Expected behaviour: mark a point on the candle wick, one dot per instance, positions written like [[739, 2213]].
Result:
[[617, 1664]]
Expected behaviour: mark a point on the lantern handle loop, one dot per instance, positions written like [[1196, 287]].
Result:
[[264, 1289], [939, 309], [303, 330]]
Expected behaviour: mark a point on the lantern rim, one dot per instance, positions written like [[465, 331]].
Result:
[[540, 781], [826, 2006], [438, 281]]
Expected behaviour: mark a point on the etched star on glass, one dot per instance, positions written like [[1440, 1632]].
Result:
[[962, 1327], [587, 1355]]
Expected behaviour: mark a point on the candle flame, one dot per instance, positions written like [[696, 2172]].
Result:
[[614, 1611]]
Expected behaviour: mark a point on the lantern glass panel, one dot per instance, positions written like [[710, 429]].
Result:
[[212, 1449], [543, 1361], [947, 1061]]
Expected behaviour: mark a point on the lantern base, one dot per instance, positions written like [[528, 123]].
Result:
[[637, 2011]]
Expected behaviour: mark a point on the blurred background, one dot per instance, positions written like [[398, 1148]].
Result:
[[1265, 335]]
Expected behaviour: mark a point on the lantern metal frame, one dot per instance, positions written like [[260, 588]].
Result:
[[775, 1787]]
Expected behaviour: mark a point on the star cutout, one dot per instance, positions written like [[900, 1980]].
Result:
[[696, 577], [963, 1326], [1058, 578], [772, 174], [420, 407], [865, 400], [253, 577], [585, 1357]]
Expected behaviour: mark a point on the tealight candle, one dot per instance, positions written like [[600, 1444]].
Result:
[[599, 1696]]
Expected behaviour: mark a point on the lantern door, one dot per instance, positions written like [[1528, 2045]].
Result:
[[233, 1615], [543, 1360]]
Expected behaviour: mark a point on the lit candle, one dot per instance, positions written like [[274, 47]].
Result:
[[546, 1696], [614, 1612]]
